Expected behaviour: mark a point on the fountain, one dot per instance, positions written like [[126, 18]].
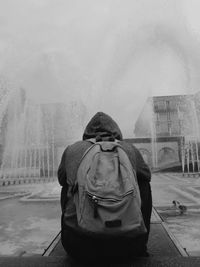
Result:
[[154, 150], [29, 147], [191, 138], [30, 133]]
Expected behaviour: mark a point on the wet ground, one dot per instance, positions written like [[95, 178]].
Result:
[[29, 218], [168, 187], [30, 214]]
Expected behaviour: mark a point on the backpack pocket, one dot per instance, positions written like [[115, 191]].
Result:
[[111, 216]]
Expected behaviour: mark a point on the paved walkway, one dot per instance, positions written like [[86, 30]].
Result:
[[169, 186], [63, 262], [163, 247], [161, 242], [164, 251]]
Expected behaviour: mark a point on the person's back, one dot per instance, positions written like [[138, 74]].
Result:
[[86, 245]]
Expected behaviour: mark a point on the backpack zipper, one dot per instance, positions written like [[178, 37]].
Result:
[[95, 202], [96, 197]]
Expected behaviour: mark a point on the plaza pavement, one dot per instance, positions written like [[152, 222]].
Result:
[[164, 248], [167, 187]]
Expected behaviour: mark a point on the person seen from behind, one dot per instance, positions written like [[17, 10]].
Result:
[[106, 196]]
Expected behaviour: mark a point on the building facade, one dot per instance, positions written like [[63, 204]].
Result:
[[164, 126]]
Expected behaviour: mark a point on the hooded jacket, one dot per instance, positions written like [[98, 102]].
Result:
[[101, 125]]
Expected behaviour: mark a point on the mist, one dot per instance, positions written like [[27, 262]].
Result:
[[110, 55]]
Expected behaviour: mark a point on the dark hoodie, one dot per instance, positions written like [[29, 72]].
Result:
[[101, 126]]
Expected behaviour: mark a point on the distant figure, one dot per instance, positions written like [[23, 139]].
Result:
[[106, 196], [179, 206]]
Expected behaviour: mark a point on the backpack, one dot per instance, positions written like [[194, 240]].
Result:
[[106, 194]]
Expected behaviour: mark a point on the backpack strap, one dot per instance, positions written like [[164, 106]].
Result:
[[130, 152], [91, 140], [74, 187]]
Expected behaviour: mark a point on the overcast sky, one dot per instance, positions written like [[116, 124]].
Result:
[[109, 54]]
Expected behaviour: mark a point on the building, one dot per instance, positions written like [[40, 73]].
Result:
[[164, 126]]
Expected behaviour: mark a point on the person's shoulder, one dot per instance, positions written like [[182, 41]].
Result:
[[77, 147], [77, 143], [128, 145]]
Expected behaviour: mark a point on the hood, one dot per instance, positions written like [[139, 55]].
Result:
[[102, 125]]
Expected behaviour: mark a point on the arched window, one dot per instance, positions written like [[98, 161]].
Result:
[[167, 155]]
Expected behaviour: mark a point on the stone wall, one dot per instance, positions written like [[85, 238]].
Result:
[[162, 153]]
